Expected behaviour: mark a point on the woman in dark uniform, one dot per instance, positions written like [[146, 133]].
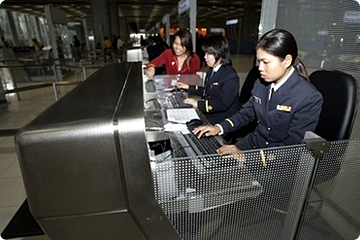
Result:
[[220, 93], [283, 103]]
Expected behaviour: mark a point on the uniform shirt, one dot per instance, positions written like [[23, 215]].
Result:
[[219, 95], [278, 85], [293, 109], [169, 59], [37, 46]]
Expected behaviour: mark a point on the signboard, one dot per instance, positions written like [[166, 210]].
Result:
[[183, 6], [352, 17]]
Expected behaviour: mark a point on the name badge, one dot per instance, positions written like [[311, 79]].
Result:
[[257, 99], [283, 108]]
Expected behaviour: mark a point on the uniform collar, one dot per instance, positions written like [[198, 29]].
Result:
[[277, 86], [215, 69]]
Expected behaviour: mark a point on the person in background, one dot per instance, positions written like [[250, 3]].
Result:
[[76, 48], [155, 49], [199, 51], [76, 42], [220, 93], [3, 43], [107, 43], [283, 102], [119, 43], [114, 42], [37, 45], [107, 46], [180, 59]]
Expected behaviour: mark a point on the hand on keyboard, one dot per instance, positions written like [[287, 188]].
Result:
[[207, 130], [193, 102], [232, 152], [177, 100]]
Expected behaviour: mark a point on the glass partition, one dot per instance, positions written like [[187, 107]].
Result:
[[333, 211], [274, 193], [217, 197]]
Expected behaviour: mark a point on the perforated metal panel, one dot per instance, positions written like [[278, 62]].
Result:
[[333, 211], [235, 201]]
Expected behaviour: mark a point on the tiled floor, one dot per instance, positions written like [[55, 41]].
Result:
[[14, 116]]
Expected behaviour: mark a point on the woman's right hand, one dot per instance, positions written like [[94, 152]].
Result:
[[150, 72], [207, 130], [232, 152]]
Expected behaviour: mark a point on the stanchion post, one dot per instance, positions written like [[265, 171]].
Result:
[[84, 73], [55, 87], [14, 82]]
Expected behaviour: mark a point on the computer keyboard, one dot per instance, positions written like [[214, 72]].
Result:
[[206, 157], [177, 100], [205, 145]]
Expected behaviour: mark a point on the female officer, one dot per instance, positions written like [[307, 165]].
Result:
[[180, 59], [284, 104], [220, 94]]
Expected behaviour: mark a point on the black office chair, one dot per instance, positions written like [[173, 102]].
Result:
[[340, 94]]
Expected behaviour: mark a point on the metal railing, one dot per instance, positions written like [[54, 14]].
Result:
[[53, 80]]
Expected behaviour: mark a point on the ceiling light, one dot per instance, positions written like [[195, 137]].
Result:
[[1, 1]]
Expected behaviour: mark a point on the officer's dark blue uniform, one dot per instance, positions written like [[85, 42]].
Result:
[[220, 95], [293, 109]]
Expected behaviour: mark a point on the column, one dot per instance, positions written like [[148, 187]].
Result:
[[124, 32], [114, 18], [101, 13]]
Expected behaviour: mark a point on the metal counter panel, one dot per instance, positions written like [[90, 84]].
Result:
[[85, 162]]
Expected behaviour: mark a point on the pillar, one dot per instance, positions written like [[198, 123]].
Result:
[[100, 13]]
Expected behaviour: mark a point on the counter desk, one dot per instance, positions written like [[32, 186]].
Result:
[[98, 164]]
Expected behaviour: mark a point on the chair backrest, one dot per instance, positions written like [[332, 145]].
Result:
[[340, 94], [248, 85]]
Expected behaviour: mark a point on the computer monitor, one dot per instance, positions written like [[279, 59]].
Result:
[[134, 55]]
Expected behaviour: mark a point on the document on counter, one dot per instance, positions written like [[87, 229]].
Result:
[[181, 115]]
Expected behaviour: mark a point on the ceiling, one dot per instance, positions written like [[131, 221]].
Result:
[[143, 14]]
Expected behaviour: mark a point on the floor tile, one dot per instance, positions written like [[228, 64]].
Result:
[[12, 192], [6, 215], [13, 171]]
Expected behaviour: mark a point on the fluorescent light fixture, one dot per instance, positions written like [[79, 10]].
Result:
[[1, 1]]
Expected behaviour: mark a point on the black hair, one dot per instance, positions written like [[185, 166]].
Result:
[[279, 43], [219, 47], [186, 40]]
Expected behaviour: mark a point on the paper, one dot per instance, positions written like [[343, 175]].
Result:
[[174, 127], [181, 115]]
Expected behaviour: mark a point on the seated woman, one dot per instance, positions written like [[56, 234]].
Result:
[[220, 93], [180, 59], [283, 103]]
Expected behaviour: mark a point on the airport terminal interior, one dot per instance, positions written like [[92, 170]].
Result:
[[312, 204]]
